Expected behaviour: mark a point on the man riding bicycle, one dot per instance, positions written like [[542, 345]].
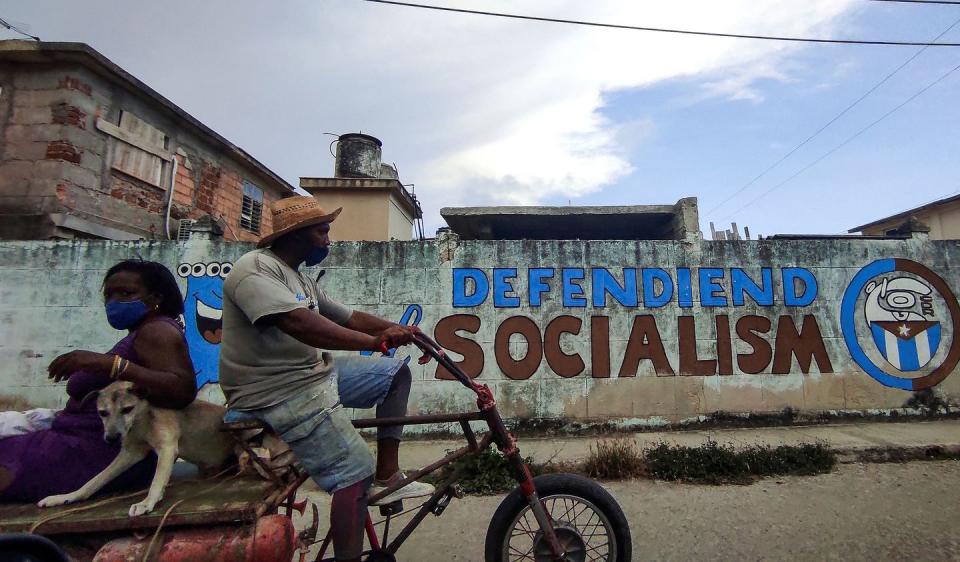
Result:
[[277, 324]]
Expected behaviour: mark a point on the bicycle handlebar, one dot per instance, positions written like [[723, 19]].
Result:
[[432, 349]]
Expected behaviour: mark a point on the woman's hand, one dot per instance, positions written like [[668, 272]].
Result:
[[62, 367]]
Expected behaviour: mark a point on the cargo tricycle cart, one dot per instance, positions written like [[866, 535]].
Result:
[[234, 518]]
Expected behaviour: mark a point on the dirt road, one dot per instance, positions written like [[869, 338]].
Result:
[[859, 512]]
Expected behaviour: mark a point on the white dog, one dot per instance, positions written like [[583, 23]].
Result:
[[192, 433]]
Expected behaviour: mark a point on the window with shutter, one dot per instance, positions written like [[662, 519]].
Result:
[[251, 209], [143, 150]]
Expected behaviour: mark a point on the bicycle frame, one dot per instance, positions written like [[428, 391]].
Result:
[[497, 434]]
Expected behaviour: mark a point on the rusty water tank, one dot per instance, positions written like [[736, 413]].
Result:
[[358, 156]]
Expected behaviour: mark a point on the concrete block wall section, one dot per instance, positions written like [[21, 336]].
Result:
[[47, 143], [635, 332]]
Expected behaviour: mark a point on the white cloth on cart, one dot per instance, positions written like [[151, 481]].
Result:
[[20, 423]]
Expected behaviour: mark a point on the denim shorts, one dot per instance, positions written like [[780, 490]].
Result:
[[364, 381], [319, 430]]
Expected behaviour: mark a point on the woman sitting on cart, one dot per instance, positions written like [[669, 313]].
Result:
[[65, 451]]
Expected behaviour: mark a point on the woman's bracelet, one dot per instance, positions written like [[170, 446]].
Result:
[[114, 370], [119, 367]]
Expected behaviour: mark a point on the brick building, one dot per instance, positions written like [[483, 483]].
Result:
[[89, 151]]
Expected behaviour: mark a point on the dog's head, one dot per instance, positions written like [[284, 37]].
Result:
[[118, 405]]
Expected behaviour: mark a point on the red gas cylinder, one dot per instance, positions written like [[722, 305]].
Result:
[[272, 540]]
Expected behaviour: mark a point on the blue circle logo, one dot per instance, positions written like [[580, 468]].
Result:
[[905, 321]]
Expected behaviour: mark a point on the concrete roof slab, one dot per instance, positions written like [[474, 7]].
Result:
[[623, 222]]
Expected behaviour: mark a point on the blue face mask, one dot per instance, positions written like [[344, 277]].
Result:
[[316, 255], [125, 315]]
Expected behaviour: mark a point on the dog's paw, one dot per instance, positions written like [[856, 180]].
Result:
[[141, 508], [52, 501]]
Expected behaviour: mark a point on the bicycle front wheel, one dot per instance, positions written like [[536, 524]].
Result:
[[587, 520]]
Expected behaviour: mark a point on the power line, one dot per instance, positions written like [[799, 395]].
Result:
[[662, 30], [831, 122], [935, 199], [16, 29], [845, 142], [948, 2]]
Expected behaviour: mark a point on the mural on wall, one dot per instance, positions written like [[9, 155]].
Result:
[[648, 332], [897, 318], [897, 309], [902, 309], [412, 316], [203, 315], [906, 309], [774, 341]]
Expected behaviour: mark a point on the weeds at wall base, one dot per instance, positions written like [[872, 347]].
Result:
[[713, 463], [617, 459], [483, 474], [915, 409]]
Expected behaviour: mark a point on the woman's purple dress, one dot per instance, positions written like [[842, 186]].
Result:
[[61, 459]]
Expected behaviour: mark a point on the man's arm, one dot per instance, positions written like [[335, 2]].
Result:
[[368, 323], [392, 333], [317, 331]]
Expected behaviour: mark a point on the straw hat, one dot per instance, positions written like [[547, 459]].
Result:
[[294, 213]]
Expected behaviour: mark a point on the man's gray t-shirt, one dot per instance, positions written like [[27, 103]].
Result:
[[262, 366]]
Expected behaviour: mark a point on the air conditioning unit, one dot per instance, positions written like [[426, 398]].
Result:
[[184, 230]]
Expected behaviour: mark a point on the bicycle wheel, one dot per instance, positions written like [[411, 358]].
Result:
[[587, 520]]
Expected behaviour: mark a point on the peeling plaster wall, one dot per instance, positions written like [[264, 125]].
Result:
[[50, 304]]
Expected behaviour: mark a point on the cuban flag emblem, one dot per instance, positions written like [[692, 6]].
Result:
[[897, 310], [909, 345], [901, 323]]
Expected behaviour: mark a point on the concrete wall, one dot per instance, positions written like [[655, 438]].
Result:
[[633, 331], [55, 160], [944, 222]]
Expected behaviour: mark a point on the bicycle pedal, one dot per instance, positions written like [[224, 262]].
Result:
[[391, 508], [444, 502]]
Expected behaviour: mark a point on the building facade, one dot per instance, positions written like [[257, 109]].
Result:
[[374, 209], [942, 217], [90, 151]]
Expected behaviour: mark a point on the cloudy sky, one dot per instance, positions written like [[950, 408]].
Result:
[[487, 111]]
